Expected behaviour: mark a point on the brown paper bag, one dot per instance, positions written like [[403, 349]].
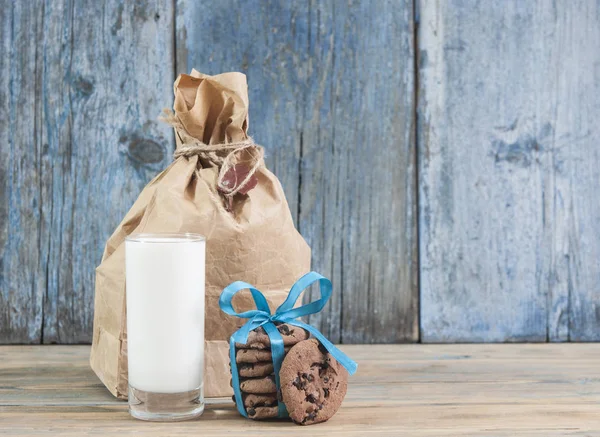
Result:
[[209, 189]]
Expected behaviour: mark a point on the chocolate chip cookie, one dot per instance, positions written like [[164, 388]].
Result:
[[262, 412], [258, 400], [255, 355], [313, 383], [258, 339], [260, 406], [259, 385], [253, 370]]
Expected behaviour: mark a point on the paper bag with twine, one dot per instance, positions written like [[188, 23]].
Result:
[[217, 186]]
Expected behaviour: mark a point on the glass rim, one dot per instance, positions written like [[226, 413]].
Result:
[[165, 237]]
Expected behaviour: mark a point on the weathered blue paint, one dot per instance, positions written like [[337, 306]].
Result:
[[22, 156], [358, 179], [331, 98], [508, 170], [507, 154], [80, 139]]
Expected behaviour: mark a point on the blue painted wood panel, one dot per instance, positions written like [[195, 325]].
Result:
[[508, 170], [332, 99], [82, 85], [499, 118]]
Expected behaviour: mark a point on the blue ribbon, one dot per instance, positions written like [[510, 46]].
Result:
[[286, 313]]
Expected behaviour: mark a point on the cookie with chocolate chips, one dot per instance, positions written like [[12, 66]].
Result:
[[255, 355], [313, 383], [258, 400], [259, 413], [253, 370], [258, 385], [260, 406], [258, 339]]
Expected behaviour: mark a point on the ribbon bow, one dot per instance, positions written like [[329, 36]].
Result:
[[286, 313]]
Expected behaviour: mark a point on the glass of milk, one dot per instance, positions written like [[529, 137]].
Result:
[[165, 325]]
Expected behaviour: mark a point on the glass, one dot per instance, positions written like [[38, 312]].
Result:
[[165, 325]]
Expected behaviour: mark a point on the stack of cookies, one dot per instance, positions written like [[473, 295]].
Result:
[[313, 384], [255, 368]]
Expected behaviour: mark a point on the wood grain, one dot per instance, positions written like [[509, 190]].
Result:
[[325, 91], [415, 390], [506, 137], [23, 251], [357, 185], [508, 159], [573, 204], [86, 82], [92, 78]]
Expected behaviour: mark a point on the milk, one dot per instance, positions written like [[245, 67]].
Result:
[[165, 312]]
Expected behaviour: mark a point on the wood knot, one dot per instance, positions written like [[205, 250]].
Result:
[[144, 150], [83, 86]]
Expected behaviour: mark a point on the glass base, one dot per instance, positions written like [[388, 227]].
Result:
[[165, 407]]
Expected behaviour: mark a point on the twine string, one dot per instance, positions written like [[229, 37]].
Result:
[[214, 154]]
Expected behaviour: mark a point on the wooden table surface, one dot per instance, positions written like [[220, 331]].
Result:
[[412, 390]]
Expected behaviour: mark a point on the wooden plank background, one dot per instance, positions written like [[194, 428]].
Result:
[[315, 72], [83, 83], [473, 121], [509, 170]]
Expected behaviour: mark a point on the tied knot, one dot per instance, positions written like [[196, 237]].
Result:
[[226, 157]]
